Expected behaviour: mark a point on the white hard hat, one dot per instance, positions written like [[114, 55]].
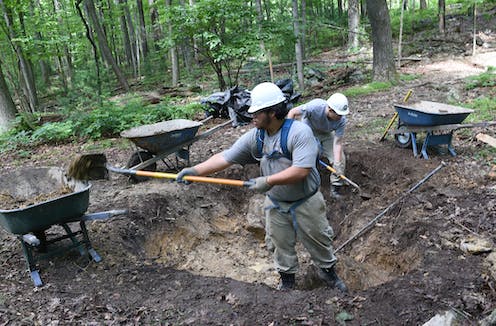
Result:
[[265, 95], [339, 104]]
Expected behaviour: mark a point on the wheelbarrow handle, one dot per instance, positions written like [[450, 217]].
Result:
[[163, 175]]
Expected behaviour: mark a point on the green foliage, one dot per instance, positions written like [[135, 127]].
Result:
[[369, 88], [409, 77], [224, 31], [484, 107], [486, 79], [53, 132], [107, 120]]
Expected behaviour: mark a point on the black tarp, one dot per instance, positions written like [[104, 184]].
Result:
[[235, 102]]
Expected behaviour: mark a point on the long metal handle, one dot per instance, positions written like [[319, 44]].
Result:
[[163, 175], [330, 168], [375, 219]]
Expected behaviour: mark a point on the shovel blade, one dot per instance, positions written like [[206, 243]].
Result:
[[88, 167]]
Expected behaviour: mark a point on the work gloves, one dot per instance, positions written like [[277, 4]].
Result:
[[260, 184], [185, 172]]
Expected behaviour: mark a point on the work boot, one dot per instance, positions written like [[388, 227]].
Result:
[[287, 282], [336, 192], [332, 279]]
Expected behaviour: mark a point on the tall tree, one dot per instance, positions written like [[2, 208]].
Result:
[[26, 79], [103, 45], [441, 16], [353, 24], [173, 49], [298, 46], [142, 28], [7, 107], [383, 63]]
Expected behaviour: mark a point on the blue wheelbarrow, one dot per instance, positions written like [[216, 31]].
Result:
[[437, 120]]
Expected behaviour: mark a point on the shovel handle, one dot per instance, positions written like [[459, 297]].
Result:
[[163, 175], [330, 168]]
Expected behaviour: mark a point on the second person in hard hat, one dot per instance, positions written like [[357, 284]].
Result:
[[328, 122]]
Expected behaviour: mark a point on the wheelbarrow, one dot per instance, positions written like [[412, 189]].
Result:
[[437, 120], [159, 140], [29, 221]]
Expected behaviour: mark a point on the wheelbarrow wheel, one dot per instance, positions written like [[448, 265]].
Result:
[[137, 158], [404, 140]]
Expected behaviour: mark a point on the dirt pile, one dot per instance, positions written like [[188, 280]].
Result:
[[9, 202]]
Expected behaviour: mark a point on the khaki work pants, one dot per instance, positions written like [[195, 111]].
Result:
[[312, 229]]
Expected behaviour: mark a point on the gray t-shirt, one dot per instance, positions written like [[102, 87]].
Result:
[[303, 148], [314, 115]]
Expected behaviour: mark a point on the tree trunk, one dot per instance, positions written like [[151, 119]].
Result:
[[142, 28], [383, 63], [132, 37], [64, 60], [474, 39], [303, 27], [340, 8], [25, 69], [7, 107], [400, 40], [298, 51], [353, 24], [195, 43], [173, 52], [363, 8], [102, 42], [156, 28], [126, 42], [258, 4], [423, 4], [442, 16]]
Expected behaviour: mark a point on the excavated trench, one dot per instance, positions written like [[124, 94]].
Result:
[[218, 230]]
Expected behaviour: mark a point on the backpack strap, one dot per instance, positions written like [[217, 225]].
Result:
[[284, 138]]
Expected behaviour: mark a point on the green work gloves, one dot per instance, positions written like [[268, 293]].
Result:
[[260, 184], [185, 172]]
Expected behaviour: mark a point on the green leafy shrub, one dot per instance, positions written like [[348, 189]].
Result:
[[485, 79], [367, 88], [107, 120]]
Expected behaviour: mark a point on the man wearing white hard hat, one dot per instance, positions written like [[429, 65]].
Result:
[[328, 122], [294, 207]]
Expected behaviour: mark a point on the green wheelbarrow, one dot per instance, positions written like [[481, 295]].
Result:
[[24, 213]]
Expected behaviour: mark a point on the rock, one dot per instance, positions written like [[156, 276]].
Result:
[[446, 319], [476, 245], [255, 218]]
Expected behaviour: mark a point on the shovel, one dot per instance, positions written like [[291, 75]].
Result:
[[94, 166], [360, 192]]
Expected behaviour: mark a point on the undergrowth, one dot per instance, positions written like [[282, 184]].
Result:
[[106, 120]]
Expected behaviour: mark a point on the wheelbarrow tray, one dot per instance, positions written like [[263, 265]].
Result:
[[26, 183], [426, 113], [158, 137]]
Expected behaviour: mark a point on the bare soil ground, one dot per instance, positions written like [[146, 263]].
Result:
[[194, 254]]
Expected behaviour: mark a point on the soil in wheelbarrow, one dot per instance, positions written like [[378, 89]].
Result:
[[195, 254], [9, 202]]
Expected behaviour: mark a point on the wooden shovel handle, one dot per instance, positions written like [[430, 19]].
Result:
[[229, 182]]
